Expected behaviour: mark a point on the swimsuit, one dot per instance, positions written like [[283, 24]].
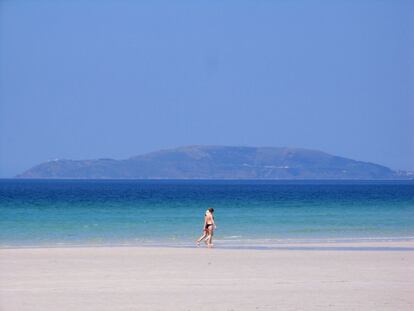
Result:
[[208, 225]]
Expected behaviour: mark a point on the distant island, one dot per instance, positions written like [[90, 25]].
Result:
[[217, 162]]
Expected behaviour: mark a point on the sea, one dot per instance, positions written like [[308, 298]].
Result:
[[47, 213]]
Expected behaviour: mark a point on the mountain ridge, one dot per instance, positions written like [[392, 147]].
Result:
[[216, 162]]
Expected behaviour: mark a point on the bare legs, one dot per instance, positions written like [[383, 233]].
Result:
[[203, 237], [209, 239]]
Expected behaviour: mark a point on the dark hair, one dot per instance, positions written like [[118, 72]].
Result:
[[211, 210]]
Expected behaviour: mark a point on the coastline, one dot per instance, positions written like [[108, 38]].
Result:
[[173, 278], [376, 243]]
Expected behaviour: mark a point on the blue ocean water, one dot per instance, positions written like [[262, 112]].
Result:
[[101, 212]]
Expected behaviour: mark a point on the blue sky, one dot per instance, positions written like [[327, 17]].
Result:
[[98, 79]]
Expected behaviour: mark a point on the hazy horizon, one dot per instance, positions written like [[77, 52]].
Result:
[[113, 79]]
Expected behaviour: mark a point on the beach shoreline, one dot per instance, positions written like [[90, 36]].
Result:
[[401, 243], [173, 278]]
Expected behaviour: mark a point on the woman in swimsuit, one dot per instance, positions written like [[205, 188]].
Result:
[[208, 228]]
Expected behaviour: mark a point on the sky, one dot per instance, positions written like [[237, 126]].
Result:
[[113, 79]]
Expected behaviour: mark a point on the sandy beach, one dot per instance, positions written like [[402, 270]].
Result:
[[147, 278]]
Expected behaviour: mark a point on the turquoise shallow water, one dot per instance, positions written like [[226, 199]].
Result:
[[50, 212]]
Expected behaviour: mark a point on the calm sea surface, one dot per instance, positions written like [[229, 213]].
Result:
[[50, 212]]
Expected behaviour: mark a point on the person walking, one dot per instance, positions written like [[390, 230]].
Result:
[[208, 228]]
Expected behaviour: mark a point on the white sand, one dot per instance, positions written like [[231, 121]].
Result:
[[139, 278]]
